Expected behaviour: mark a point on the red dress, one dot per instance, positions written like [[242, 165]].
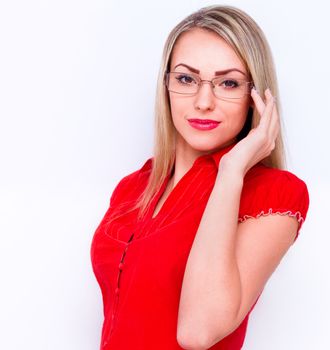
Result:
[[140, 265]]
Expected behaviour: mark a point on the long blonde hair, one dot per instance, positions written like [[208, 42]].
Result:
[[243, 34]]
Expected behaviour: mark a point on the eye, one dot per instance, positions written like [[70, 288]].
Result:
[[185, 79], [230, 84]]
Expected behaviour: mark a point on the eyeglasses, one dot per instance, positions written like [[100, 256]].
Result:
[[223, 87]]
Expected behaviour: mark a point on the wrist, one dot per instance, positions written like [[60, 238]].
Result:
[[232, 176], [227, 165]]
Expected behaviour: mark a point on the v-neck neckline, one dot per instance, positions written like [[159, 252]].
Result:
[[168, 198], [215, 156], [160, 195]]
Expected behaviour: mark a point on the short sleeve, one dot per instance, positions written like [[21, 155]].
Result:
[[274, 191]]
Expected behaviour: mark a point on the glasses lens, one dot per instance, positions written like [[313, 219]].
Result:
[[230, 88], [224, 87], [182, 83]]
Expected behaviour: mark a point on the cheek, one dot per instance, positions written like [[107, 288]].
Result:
[[179, 110], [178, 107], [235, 115]]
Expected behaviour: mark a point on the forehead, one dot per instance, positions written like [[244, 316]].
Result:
[[206, 51]]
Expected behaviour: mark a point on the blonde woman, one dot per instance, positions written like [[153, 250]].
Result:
[[191, 238]]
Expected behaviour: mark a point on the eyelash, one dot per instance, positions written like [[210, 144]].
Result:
[[180, 77], [231, 81]]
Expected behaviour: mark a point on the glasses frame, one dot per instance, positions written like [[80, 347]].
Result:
[[200, 81]]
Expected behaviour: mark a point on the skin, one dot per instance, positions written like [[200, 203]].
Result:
[[208, 53], [236, 259]]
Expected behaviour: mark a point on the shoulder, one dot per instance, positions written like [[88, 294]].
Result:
[[131, 182], [273, 191], [262, 177]]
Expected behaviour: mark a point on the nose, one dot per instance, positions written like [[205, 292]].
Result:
[[205, 99]]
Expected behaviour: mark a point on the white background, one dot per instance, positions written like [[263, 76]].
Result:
[[70, 130]]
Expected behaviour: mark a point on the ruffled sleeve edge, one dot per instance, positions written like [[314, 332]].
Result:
[[271, 211]]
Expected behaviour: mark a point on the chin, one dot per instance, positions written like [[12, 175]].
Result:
[[210, 142], [206, 146]]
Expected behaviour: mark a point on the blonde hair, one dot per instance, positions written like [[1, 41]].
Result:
[[243, 34]]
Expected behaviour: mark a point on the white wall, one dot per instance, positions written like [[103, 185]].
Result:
[[70, 130]]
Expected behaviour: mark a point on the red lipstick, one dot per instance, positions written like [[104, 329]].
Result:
[[203, 124]]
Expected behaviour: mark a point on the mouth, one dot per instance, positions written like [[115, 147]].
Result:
[[203, 124], [202, 121]]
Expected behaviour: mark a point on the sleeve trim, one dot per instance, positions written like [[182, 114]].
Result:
[[296, 214]]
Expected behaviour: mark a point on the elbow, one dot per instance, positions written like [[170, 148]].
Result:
[[193, 339], [202, 332], [219, 334], [190, 340], [199, 342]]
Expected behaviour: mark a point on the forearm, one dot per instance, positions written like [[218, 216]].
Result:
[[211, 289]]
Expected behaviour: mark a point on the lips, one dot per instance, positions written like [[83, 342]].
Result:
[[203, 124], [203, 121]]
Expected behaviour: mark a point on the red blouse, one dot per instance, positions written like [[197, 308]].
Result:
[[140, 265]]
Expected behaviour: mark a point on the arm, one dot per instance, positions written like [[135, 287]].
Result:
[[228, 266], [211, 288], [229, 263]]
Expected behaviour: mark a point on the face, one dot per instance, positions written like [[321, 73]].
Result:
[[208, 53]]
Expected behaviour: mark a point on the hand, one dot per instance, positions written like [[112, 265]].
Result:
[[259, 142]]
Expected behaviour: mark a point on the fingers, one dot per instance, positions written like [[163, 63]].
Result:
[[269, 119], [274, 120], [265, 117], [258, 101], [274, 126]]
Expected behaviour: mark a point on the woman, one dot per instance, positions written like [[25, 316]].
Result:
[[188, 243]]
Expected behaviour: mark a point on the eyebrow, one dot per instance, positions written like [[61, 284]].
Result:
[[218, 72]]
